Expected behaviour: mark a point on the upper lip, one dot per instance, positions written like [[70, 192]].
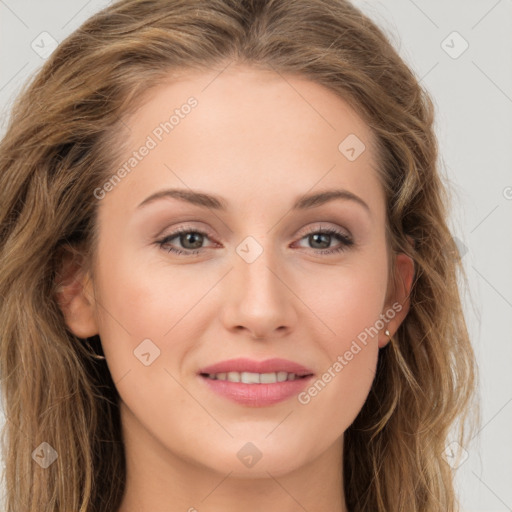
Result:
[[253, 366]]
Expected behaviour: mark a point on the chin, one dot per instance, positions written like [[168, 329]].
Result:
[[256, 459]]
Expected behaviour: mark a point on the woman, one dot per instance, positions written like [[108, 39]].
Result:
[[252, 368]]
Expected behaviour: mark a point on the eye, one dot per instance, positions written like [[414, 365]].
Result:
[[323, 237], [191, 241]]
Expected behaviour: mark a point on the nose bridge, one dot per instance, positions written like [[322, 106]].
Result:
[[257, 257], [253, 267], [260, 301]]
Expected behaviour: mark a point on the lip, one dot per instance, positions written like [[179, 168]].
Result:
[[251, 365], [257, 395]]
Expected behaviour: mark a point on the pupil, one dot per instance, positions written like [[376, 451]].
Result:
[[319, 235], [189, 237]]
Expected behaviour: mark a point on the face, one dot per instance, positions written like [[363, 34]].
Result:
[[255, 272]]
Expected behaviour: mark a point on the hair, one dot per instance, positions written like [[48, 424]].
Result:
[[62, 142]]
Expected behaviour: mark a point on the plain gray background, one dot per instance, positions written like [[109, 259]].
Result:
[[472, 90]]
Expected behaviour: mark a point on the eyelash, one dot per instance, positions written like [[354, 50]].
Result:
[[347, 242]]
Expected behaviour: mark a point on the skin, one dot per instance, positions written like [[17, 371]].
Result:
[[259, 141]]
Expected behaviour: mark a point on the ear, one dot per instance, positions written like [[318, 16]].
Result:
[[399, 296], [75, 295]]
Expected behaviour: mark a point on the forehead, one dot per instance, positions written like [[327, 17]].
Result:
[[244, 131]]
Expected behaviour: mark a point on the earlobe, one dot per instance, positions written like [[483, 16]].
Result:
[[75, 296], [399, 302]]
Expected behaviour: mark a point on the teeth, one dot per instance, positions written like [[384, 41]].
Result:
[[253, 378], [250, 378], [268, 378], [232, 376], [282, 376]]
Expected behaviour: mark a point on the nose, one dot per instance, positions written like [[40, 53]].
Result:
[[259, 300]]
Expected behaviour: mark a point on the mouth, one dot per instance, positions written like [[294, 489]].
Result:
[[255, 378], [256, 383], [255, 371]]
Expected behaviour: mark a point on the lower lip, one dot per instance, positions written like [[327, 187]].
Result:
[[257, 395]]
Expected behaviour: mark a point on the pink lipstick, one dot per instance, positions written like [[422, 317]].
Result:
[[256, 383]]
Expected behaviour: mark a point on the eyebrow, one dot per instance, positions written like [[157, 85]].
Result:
[[205, 200]]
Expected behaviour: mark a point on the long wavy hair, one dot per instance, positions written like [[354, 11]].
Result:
[[62, 142]]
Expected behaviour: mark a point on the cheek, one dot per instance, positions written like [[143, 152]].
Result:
[[142, 298], [148, 308], [132, 308], [349, 301], [350, 307], [336, 396]]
